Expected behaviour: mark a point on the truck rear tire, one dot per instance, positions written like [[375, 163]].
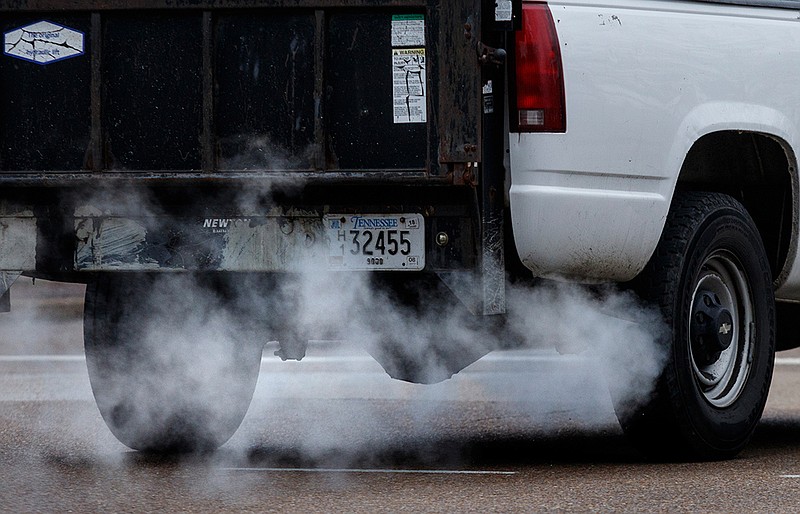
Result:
[[711, 279], [167, 371]]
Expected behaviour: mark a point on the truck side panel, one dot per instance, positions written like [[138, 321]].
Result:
[[656, 75]]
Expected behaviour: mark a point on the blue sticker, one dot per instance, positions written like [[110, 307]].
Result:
[[44, 42]]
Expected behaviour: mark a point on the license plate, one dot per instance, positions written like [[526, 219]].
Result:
[[361, 242]]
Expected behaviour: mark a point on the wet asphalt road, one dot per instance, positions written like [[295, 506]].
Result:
[[518, 431]]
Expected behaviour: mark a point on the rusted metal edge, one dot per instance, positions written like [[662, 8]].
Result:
[[106, 5], [319, 89], [96, 148], [57, 179], [207, 136], [459, 115]]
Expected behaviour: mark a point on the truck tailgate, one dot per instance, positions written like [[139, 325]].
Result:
[[244, 87]]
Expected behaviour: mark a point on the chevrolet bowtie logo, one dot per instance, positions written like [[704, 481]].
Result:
[[725, 329]]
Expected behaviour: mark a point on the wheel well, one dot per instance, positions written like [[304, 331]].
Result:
[[755, 169]]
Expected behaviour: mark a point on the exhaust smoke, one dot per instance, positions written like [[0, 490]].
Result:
[[184, 334]]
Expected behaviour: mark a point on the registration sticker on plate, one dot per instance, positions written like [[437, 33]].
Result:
[[360, 242]]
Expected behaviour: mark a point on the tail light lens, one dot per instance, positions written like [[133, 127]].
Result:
[[540, 104]]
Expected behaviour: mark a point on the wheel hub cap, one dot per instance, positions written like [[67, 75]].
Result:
[[721, 319], [712, 328]]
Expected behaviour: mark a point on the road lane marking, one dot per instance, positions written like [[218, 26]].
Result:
[[268, 359], [381, 471], [790, 476], [42, 358], [781, 361]]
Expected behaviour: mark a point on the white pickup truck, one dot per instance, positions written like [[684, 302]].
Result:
[[650, 143], [662, 153]]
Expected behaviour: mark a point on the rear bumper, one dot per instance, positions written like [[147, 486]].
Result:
[[75, 231]]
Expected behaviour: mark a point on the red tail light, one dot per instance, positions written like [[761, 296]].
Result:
[[540, 104]]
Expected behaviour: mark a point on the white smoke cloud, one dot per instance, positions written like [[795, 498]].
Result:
[[614, 343], [617, 338], [622, 340]]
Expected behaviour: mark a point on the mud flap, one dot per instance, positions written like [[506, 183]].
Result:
[[441, 336], [7, 278], [429, 362]]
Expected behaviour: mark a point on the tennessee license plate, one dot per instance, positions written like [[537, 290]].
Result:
[[361, 242]]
